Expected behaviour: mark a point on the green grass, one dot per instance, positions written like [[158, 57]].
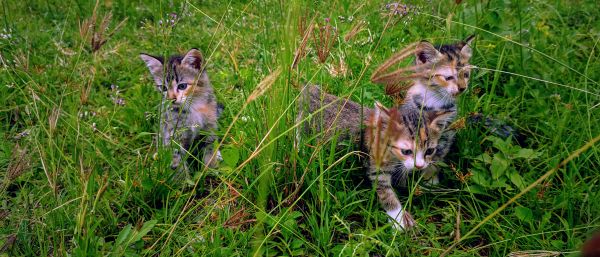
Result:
[[83, 176]]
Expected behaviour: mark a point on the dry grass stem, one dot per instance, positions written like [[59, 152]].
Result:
[[53, 119], [323, 39], [357, 28], [534, 253], [301, 51], [19, 163], [264, 85], [86, 88]]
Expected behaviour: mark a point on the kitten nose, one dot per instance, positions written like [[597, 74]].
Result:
[[171, 96], [419, 166]]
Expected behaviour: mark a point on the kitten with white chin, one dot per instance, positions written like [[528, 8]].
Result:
[[190, 109], [446, 72], [399, 141]]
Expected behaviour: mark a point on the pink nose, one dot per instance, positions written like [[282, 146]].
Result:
[[418, 166]]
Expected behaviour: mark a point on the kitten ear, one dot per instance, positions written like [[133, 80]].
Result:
[[466, 50], [155, 66], [426, 53], [379, 113], [439, 119], [193, 59]]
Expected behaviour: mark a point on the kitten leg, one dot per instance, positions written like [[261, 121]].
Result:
[[390, 203], [210, 158], [430, 174], [176, 159], [166, 133]]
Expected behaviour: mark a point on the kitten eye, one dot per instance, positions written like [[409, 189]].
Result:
[[466, 74], [429, 151], [449, 78], [406, 151], [182, 86], [163, 88]]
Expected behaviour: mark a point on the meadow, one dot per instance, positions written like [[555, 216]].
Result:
[[82, 175]]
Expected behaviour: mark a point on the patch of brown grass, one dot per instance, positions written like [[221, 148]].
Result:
[[95, 31]]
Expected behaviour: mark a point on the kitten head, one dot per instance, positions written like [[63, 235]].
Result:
[[181, 78], [405, 134], [448, 71]]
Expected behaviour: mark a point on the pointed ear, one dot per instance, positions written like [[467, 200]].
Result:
[[193, 59], [466, 50], [426, 53], [155, 66], [440, 119], [379, 113]]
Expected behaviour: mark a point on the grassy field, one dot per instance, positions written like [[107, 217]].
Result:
[[82, 174]]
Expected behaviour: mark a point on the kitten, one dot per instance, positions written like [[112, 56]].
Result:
[[447, 77], [437, 90], [399, 141], [190, 109]]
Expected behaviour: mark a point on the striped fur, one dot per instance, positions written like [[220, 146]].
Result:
[[437, 91], [339, 117], [388, 136], [447, 78], [190, 109], [399, 141]]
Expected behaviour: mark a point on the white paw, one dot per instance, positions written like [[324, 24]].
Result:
[[219, 157], [402, 219], [176, 161]]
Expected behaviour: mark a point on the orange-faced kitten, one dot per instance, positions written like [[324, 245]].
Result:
[[399, 141]]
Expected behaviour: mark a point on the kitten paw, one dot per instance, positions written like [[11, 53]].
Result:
[[175, 162], [402, 220]]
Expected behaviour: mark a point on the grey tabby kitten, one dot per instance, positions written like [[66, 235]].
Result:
[[190, 107]]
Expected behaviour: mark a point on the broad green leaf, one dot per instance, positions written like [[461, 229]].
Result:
[[524, 213], [231, 156], [559, 244], [499, 166], [480, 178], [499, 182], [148, 225], [476, 189], [124, 234], [485, 157], [516, 179], [502, 145], [526, 154]]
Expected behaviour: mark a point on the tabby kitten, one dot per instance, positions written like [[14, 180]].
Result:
[[400, 140], [190, 108], [444, 79]]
